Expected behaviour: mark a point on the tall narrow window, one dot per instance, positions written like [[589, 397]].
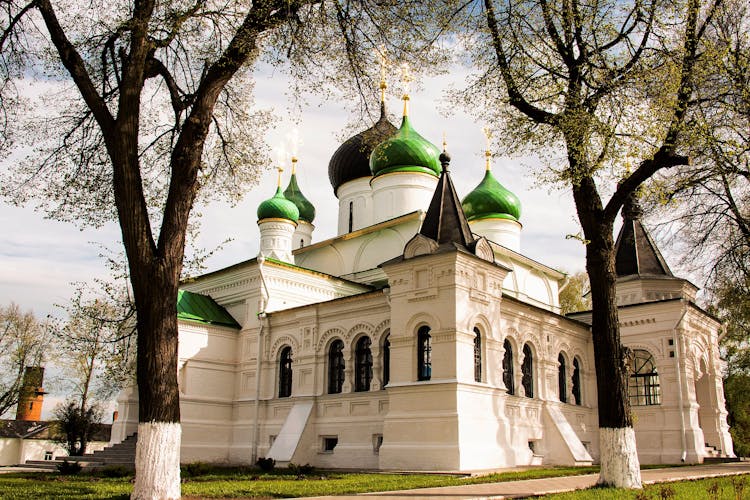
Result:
[[351, 216], [424, 354], [386, 360], [285, 372], [477, 355], [644, 387], [336, 367], [508, 368], [576, 382], [527, 371], [562, 386], [363, 365]]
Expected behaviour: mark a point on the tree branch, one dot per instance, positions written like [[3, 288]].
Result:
[[73, 62]]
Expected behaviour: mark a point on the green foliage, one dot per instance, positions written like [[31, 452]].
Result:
[[240, 482], [724, 488], [574, 295], [196, 469], [76, 425], [736, 391], [114, 471], [69, 468], [23, 342], [266, 464], [300, 470]]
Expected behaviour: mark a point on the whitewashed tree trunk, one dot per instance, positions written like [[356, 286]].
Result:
[[619, 458], [157, 461]]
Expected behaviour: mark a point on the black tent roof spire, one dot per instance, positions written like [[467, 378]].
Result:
[[635, 250], [445, 221]]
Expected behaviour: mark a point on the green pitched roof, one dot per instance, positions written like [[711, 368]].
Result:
[[407, 151], [491, 200], [293, 194], [196, 307], [278, 207]]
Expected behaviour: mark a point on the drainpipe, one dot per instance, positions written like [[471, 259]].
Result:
[[261, 319], [677, 356]]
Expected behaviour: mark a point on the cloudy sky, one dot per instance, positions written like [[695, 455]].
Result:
[[40, 258]]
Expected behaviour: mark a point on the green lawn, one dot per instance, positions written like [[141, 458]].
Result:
[[217, 483], [208, 482], [725, 488]]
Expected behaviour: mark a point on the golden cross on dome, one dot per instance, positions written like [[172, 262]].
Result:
[[406, 80], [280, 161], [383, 61], [487, 152], [445, 142], [294, 144]]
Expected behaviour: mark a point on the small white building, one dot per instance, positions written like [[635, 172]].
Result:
[[421, 338], [22, 440]]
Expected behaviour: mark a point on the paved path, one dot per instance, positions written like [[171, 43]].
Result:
[[520, 489]]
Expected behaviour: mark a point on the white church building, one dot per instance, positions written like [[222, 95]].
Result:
[[421, 338]]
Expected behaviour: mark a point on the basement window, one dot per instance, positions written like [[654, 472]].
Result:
[[329, 443], [377, 442]]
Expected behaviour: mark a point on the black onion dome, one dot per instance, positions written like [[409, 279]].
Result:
[[352, 159]]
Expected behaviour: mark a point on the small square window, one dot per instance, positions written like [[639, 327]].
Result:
[[671, 354], [329, 443], [671, 341], [48, 455]]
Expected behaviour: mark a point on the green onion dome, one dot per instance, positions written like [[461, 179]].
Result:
[[293, 194], [407, 151], [491, 200], [278, 207], [352, 159]]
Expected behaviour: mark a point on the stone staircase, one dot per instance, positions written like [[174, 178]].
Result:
[[714, 456], [122, 454]]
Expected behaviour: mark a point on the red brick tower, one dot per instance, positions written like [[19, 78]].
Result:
[[32, 394]]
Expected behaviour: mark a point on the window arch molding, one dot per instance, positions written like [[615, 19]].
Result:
[[329, 336], [281, 342]]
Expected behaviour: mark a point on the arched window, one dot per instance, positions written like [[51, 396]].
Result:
[[644, 380], [527, 372], [424, 354], [510, 386], [477, 355], [363, 365], [285, 372], [336, 367], [576, 382], [386, 360], [351, 216], [562, 385]]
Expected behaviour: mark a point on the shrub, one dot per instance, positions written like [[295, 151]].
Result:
[[300, 470], [266, 464], [69, 468], [114, 471], [195, 469]]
